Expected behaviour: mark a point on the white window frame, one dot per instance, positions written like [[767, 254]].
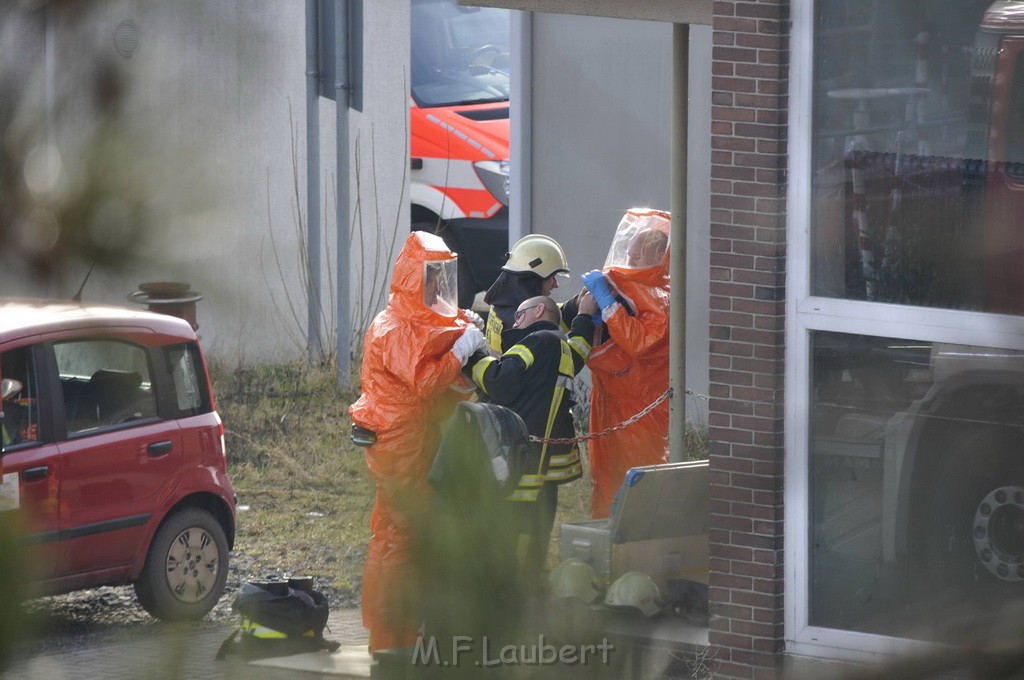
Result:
[[805, 314]]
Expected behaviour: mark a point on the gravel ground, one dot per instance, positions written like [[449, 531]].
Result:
[[69, 621]]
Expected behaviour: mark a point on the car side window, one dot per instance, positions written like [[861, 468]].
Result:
[[104, 383], [188, 378], [20, 424]]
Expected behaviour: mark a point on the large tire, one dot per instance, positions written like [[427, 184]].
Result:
[[975, 534], [186, 567], [467, 282]]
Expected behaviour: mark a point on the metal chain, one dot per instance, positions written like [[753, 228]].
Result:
[[614, 428]]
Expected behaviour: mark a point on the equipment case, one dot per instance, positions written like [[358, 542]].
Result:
[[659, 526]]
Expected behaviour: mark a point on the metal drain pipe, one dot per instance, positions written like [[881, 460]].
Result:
[[314, 345]]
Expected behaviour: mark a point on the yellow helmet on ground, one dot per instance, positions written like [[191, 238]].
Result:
[[539, 254], [636, 591], [574, 578]]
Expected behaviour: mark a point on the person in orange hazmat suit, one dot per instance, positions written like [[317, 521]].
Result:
[[629, 360], [413, 355]]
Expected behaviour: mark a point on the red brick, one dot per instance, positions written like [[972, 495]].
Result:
[[754, 219], [767, 42], [720, 302], [723, 38], [721, 128], [729, 493], [734, 143], [735, 85], [754, 629], [732, 172], [733, 231], [729, 260], [723, 68], [734, 54], [724, 9], [735, 436], [754, 600], [719, 361], [722, 186], [761, 10], [734, 641]]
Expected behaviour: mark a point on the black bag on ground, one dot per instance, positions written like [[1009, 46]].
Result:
[[279, 618]]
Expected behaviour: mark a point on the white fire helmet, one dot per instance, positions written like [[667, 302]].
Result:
[[574, 578], [441, 286], [636, 591], [539, 254], [641, 239], [9, 387]]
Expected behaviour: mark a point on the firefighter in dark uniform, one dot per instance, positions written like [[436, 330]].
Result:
[[533, 268], [534, 379]]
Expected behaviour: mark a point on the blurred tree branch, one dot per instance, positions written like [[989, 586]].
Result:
[[69, 189]]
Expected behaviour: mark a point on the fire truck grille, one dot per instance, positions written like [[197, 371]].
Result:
[[485, 114]]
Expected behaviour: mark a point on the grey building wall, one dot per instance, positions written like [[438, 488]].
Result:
[[213, 130], [598, 142]]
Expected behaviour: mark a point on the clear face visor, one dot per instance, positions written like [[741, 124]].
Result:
[[441, 286], [640, 241]]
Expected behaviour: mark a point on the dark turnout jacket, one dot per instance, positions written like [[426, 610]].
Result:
[[534, 379]]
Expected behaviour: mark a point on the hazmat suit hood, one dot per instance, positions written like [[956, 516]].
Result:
[[639, 255], [435, 330]]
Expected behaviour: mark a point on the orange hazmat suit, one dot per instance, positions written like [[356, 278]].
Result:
[[407, 372], [629, 368]]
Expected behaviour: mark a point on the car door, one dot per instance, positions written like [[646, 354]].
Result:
[[120, 459], [30, 487]]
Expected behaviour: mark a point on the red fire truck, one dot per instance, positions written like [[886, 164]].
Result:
[[459, 134]]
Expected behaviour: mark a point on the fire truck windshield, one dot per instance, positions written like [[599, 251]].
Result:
[[460, 55]]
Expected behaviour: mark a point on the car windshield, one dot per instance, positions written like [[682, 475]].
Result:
[[460, 55]]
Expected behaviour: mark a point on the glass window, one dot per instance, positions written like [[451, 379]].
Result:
[[189, 380], [916, 485], [104, 383], [918, 130], [460, 55], [20, 422]]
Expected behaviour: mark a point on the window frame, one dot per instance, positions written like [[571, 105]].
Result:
[[58, 388], [805, 314]]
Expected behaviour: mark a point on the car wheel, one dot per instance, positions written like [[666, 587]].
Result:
[[976, 536], [186, 567]]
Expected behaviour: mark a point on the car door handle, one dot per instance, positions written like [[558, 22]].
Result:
[[34, 474], [159, 448]]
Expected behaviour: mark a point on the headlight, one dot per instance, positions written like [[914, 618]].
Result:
[[495, 176]]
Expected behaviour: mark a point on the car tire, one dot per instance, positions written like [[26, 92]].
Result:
[[186, 567]]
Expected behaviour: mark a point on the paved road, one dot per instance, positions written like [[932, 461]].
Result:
[[166, 652]]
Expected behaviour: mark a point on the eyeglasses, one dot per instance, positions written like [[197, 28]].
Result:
[[520, 313]]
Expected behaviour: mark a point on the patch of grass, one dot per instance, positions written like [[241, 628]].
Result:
[[303, 489]]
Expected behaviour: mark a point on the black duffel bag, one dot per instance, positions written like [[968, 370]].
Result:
[[279, 618]]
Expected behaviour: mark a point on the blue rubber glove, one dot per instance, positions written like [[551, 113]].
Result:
[[598, 286]]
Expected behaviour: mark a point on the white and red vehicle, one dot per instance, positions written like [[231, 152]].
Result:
[[459, 134]]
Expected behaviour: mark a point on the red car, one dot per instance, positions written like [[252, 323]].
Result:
[[113, 454]]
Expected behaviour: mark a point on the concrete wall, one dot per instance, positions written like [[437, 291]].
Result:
[[213, 134], [600, 125]]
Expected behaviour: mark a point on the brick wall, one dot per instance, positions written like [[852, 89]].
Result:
[[748, 238]]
